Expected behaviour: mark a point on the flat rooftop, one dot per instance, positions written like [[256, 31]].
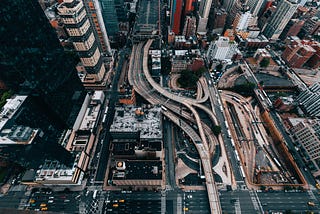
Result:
[[140, 170], [10, 108], [54, 171], [133, 119]]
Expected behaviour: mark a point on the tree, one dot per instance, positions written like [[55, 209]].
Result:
[[263, 188], [216, 130], [165, 65], [246, 88], [264, 62], [188, 79], [6, 95], [219, 67]]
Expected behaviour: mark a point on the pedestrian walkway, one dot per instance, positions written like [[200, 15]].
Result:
[[311, 194], [237, 206], [254, 200], [163, 202], [179, 204]]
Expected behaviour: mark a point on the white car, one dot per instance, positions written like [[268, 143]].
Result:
[[50, 201]]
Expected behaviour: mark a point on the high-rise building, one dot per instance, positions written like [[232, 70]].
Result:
[[310, 100], [95, 16], [189, 6], [28, 134], [218, 20], [33, 62], [280, 18], [306, 134], [243, 21], [256, 6], [233, 7], [221, 49], [176, 15], [110, 17], [77, 24], [204, 11], [311, 27], [292, 28], [300, 53], [190, 26], [114, 13]]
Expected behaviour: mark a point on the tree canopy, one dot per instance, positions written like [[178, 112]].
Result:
[[4, 97], [264, 62], [189, 79], [245, 89], [216, 130]]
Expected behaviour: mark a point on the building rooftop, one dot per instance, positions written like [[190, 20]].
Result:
[[55, 172], [140, 170], [89, 112], [133, 119], [18, 135], [10, 108]]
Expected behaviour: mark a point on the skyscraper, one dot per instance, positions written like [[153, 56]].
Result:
[[33, 61], [189, 6], [255, 6], [204, 11], [190, 25], [280, 18], [176, 12], [233, 7], [110, 17], [94, 9], [77, 24]]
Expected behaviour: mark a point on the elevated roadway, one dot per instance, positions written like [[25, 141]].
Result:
[[136, 79]]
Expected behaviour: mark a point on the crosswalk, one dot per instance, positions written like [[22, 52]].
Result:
[[163, 202], [311, 195], [254, 200], [237, 207], [179, 204]]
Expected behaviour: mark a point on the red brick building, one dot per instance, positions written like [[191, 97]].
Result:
[[298, 52]]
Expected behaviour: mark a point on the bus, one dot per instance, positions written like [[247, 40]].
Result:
[[229, 133], [261, 97], [104, 118], [237, 155], [232, 143], [226, 123], [246, 108], [236, 99], [277, 162], [164, 108], [94, 196]]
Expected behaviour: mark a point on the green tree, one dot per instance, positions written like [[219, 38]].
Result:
[[219, 67], [165, 65], [216, 130], [263, 188], [264, 62], [245, 89], [6, 95], [189, 79]]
